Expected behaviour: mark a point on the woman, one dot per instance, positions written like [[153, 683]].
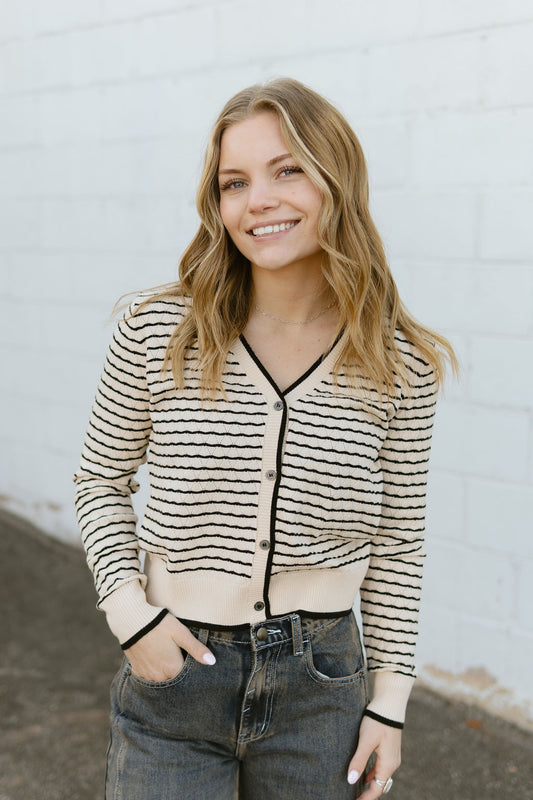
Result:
[[285, 398]]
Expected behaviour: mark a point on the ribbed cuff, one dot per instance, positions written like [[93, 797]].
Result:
[[384, 721], [147, 628], [390, 694], [128, 611]]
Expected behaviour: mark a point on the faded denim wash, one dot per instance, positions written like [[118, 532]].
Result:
[[276, 717]]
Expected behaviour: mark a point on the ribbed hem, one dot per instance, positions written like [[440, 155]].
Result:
[[390, 694], [128, 611]]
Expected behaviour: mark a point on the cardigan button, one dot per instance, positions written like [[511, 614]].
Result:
[[278, 405], [264, 544], [270, 474], [259, 606]]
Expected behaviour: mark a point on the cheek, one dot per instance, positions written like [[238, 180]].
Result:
[[223, 213], [312, 200], [229, 216]]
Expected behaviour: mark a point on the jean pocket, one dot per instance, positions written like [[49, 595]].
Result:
[[334, 654], [185, 668]]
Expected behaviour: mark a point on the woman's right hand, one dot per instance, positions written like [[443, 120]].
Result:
[[158, 656]]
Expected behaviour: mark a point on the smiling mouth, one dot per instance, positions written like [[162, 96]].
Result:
[[277, 228]]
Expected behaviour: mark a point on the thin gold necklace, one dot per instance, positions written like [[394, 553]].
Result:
[[295, 321]]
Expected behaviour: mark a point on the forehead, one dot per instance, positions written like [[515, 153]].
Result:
[[257, 138]]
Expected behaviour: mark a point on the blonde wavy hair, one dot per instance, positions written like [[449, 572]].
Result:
[[215, 279]]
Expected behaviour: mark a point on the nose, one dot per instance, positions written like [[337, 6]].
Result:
[[261, 196]]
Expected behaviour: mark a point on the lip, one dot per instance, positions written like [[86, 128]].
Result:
[[272, 222]]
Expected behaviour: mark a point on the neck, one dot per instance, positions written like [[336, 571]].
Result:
[[289, 298]]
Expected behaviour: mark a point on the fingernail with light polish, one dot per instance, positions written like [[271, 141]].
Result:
[[209, 658], [353, 776]]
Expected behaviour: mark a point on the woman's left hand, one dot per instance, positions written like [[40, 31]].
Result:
[[386, 742]]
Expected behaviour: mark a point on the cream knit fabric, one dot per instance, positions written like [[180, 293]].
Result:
[[262, 503]]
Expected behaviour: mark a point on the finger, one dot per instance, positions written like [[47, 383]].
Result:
[[359, 761], [184, 638], [373, 791]]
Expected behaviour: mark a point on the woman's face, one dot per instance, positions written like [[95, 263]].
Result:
[[269, 207]]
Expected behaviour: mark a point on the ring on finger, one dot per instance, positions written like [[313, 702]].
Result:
[[385, 785]]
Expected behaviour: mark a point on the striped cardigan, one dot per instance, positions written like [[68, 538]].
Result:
[[262, 502]]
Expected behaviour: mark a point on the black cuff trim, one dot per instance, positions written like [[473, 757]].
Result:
[[147, 628], [392, 723]]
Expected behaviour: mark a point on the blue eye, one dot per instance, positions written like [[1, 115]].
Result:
[[290, 170], [234, 183]]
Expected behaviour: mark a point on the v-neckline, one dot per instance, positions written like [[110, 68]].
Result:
[[268, 376], [318, 369]]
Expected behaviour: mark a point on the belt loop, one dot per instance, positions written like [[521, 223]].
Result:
[[297, 638], [203, 635]]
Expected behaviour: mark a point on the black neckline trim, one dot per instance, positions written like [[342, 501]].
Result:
[[269, 377]]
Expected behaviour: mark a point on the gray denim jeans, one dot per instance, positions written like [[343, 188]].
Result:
[[277, 717]]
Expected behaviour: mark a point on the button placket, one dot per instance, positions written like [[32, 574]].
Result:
[[274, 430]]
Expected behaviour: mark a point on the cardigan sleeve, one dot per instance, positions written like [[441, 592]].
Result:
[[115, 446], [390, 592]]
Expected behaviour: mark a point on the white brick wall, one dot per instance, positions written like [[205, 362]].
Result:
[[104, 111]]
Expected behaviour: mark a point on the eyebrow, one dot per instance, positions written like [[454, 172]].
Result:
[[270, 163]]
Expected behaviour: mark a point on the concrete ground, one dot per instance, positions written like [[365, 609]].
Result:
[[57, 659]]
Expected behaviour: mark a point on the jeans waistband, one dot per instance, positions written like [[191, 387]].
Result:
[[293, 628]]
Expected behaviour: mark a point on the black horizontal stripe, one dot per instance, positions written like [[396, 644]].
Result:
[[228, 412], [301, 505], [91, 496], [302, 428], [348, 416], [209, 471], [218, 515], [111, 509], [331, 564], [332, 494], [381, 581], [296, 552], [212, 568], [206, 485], [337, 447], [112, 456], [397, 664], [111, 435], [403, 594], [158, 533], [135, 451], [193, 556], [208, 428], [101, 476], [113, 424], [204, 501], [351, 478], [387, 629], [111, 407], [209, 455], [201, 440], [366, 606], [119, 357]]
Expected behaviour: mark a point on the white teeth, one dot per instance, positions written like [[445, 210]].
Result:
[[283, 226]]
